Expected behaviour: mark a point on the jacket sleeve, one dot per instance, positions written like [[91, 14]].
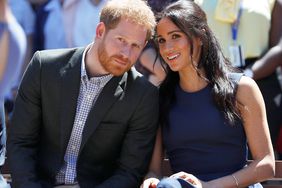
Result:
[[138, 144], [2, 134], [25, 126]]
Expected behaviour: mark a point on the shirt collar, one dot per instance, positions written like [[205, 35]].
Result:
[[83, 67]]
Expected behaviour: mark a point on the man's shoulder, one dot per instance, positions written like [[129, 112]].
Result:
[[53, 60], [57, 54]]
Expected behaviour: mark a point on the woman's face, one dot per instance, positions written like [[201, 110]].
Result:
[[174, 45]]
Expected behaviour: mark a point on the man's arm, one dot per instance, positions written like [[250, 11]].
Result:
[[138, 144], [23, 138]]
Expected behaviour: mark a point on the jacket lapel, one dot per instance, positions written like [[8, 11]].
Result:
[[112, 91], [70, 85]]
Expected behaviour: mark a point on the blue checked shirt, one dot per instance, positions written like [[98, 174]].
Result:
[[88, 94]]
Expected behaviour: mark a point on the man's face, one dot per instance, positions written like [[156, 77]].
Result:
[[119, 48]]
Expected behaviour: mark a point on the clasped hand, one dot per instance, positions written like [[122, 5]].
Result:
[[153, 182]]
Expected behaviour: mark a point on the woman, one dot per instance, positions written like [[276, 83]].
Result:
[[207, 111]]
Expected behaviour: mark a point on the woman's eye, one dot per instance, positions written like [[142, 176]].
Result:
[[161, 40], [175, 36]]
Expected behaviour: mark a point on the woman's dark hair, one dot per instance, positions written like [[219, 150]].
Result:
[[191, 20]]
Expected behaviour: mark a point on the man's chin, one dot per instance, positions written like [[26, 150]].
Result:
[[117, 72], [116, 69]]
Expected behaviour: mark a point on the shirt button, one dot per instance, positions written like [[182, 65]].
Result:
[[80, 123], [73, 147], [88, 97]]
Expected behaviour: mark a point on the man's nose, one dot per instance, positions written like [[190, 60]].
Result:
[[125, 51]]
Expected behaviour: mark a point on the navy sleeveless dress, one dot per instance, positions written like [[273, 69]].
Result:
[[199, 140]]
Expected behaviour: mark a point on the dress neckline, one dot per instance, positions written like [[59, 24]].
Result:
[[193, 92]]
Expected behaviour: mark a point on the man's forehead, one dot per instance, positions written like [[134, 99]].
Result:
[[131, 31]]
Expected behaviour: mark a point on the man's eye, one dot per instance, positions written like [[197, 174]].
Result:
[[120, 39], [136, 46]]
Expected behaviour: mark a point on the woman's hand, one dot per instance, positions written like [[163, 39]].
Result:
[[150, 183], [194, 181]]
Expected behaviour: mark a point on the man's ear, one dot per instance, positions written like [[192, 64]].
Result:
[[100, 30]]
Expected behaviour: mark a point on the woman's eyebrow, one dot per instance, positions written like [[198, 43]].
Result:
[[169, 33]]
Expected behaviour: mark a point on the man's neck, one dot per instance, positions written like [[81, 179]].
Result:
[[92, 64]]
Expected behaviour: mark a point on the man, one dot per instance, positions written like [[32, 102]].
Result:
[[83, 117]]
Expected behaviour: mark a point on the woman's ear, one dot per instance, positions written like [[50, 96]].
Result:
[[198, 43]]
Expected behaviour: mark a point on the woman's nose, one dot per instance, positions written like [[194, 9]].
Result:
[[168, 46]]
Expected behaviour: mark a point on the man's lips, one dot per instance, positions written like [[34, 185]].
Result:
[[121, 61]]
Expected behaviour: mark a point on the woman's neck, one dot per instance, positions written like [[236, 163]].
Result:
[[190, 81]]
